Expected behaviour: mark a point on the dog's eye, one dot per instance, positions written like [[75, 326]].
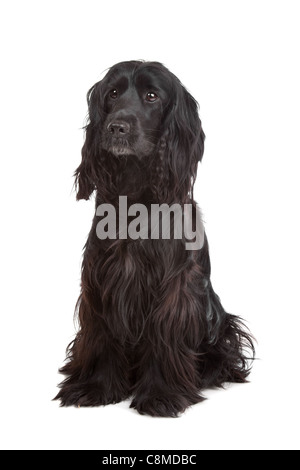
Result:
[[113, 94], [151, 96]]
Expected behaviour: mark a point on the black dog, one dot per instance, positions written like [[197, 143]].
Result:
[[151, 326]]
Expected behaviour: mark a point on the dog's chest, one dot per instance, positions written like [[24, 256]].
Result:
[[133, 279]]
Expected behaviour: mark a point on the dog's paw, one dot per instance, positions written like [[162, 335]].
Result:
[[81, 395], [163, 405]]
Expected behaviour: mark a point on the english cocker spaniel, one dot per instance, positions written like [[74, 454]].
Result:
[[151, 326]]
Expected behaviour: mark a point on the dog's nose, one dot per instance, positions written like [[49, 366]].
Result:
[[118, 127]]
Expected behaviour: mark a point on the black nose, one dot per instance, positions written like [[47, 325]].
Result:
[[118, 128]]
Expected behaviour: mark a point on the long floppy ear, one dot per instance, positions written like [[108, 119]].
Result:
[[86, 174], [183, 141]]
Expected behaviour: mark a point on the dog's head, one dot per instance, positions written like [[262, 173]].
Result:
[[141, 109]]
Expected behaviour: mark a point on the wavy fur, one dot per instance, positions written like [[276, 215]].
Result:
[[150, 325]]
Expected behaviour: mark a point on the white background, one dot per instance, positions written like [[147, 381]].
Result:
[[240, 59]]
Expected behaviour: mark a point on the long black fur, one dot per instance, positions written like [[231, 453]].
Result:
[[151, 326]]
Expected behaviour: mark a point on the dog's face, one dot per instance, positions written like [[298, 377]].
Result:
[[141, 110], [135, 99]]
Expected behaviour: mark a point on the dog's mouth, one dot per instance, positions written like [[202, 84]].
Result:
[[119, 146], [128, 145]]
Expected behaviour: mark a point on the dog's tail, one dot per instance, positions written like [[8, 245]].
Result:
[[228, 352]]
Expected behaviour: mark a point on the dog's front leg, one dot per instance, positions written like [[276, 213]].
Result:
[[97, 367], [166, 373]]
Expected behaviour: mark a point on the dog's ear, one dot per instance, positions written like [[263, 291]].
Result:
[[86, 174], [183, 140]]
